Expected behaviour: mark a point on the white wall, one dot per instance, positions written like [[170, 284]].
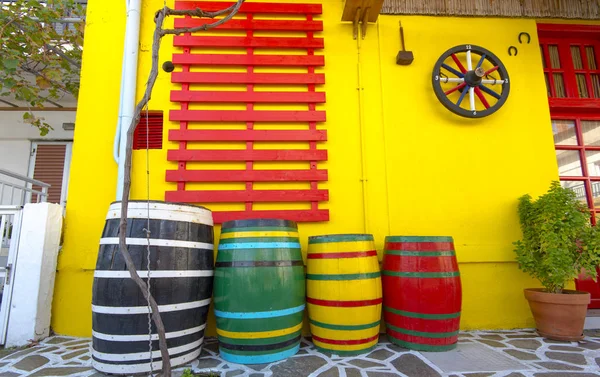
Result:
[[35, 271], [16, 136]]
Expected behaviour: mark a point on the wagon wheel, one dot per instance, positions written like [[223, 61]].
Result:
[[485, 84]]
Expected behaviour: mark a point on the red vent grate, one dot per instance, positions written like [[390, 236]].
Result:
[[150, 130]]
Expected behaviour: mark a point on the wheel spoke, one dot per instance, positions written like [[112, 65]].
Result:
[[452, 70], [452, 79], [482, 98], [494, 69], [481, 61], [458, 63], [492, 82], [455, 88], [490, 91], [469, 62], [462, 95], [472, 98]]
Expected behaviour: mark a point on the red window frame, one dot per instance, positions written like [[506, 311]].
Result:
[[564, 37], [575, 108]]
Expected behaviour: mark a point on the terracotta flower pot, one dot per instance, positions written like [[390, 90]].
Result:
[[558, 316]]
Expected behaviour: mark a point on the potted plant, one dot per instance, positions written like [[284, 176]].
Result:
[[559, 243]]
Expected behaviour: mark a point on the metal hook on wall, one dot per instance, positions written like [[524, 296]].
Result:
[[512, 51], [524, 34]]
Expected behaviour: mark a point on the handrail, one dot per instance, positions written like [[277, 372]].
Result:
[[23, 178]]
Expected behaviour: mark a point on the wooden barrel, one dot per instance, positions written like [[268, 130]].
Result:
[[421, 292], [181, 274], [344, 293], [259, 291]]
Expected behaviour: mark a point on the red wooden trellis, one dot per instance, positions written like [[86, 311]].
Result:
[[196, 60]]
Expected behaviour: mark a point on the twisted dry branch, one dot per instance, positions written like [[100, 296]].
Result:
[[159, 32]]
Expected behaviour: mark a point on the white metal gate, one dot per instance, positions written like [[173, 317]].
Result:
[[10, 227]]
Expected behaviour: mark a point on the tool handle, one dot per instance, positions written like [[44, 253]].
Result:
[[401, 35]]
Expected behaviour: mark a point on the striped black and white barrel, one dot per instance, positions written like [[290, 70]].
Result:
[[181, 274]]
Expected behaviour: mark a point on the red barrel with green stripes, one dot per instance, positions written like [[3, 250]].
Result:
[[422, 293], [259, 291]]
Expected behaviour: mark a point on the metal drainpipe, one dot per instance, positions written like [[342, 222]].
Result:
[[363, 164], [129, 81]]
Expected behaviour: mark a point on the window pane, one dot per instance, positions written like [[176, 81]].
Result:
[[576, 54], [547, 85], [589, 51], [554, 57], [564, 132], [596, 193], [577, 187], [591, 132], [592, 158], [559, 85], [596, 85], [569, 164], [582, 85], [543, 57]]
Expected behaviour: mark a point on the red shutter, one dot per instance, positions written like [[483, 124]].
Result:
[[152, 130], [49, 168]]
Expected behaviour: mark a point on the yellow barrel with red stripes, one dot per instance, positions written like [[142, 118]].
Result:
[[343, 287]]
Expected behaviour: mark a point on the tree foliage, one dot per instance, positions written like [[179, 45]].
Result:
[[558, 240], [41, 56]]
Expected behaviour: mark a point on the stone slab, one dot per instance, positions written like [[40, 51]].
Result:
[[31, 362], [301, 366], [365, 363], [522, 355], [412, 366], [565, 348], [492, 337], [557, 366], [380, 354], [492, 343], [473, 358], [59, 371], [333, 372], [527, 344], [71, 355], [573, 358]]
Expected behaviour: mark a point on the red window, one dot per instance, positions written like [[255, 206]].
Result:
[[571, 58]]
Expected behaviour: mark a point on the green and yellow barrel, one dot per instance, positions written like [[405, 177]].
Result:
[[259, 291], [344, 293]]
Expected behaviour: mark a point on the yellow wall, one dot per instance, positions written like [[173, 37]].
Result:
[[426, 171]]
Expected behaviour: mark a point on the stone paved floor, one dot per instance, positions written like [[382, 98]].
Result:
[[519, 353]]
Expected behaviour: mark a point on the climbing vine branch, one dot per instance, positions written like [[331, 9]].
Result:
[[159, 32]]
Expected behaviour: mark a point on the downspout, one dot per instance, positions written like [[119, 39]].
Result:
[[128, 85], [361, 114]]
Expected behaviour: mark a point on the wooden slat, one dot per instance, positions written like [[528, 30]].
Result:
[[294, 215], [237, 24], [246, 116], [247, 97], [246, 155], [247, 135], [247, 78], [245, 175], [264, 42], [251, 60], [250, 7], [254, 196]]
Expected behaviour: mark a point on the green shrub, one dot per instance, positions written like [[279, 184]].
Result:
[[558, 240]]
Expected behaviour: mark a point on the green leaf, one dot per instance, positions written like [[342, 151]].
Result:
[[10, 63]]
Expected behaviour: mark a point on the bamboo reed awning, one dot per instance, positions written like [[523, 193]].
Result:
[[573, 9]]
